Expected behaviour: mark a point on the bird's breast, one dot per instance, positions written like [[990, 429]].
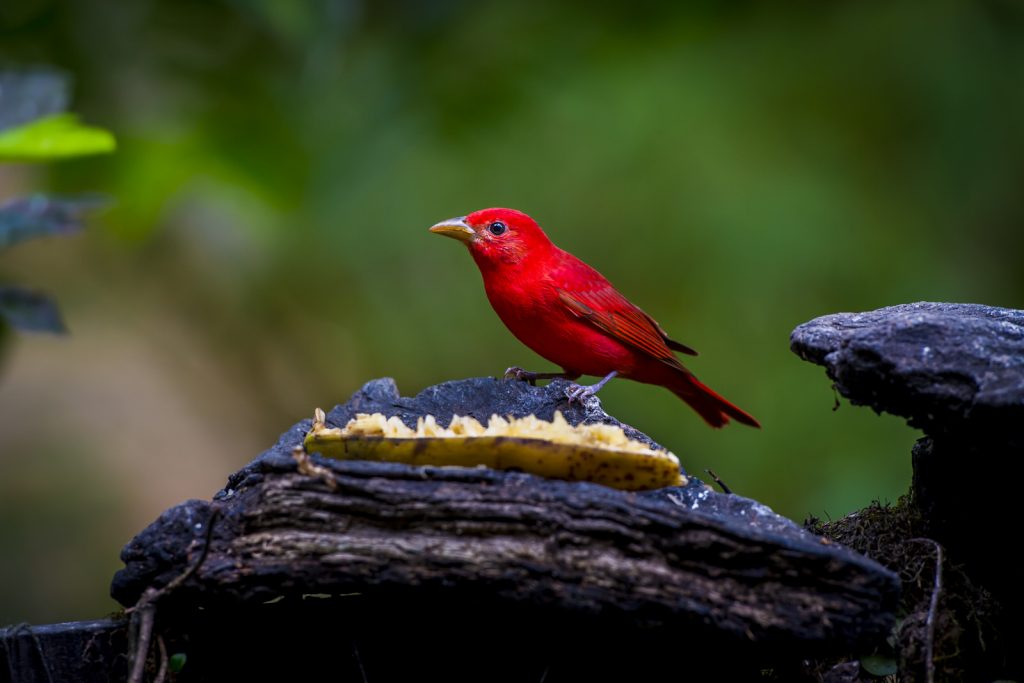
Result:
[[534, 313]]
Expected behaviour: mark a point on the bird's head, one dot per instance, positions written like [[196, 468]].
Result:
[[496, 235]]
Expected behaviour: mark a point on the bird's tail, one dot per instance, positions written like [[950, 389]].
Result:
[[715, 410]]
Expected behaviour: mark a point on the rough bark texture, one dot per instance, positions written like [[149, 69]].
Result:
[[948, 368], [649, 562], [956, 371], [506, 555], [84, 652]]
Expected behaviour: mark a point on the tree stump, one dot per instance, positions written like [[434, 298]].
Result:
[[955, 371], [380, 571]]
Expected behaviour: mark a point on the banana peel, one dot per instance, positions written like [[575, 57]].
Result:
[[597, 453]]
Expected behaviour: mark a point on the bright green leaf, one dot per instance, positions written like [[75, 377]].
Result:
[[59, 136]]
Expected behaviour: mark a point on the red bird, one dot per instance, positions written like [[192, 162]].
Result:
[[571, 315]]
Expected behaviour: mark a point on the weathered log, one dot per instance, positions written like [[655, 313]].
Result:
[[950, 369], [956, 371], [81, 651], [481, 556], [580, 548]]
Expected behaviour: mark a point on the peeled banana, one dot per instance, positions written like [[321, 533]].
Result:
[[597, 453]]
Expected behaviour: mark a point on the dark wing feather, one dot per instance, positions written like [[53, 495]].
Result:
[[672, 343], [605, 308]]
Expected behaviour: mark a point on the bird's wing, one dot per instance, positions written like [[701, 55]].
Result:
[[604, 307], [672, 343]]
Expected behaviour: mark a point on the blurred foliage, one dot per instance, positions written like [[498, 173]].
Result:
[[30, 94], [37, 215], [28, 310], [735, 168], [24, 96]]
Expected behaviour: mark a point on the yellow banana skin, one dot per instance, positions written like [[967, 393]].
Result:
[[632, 469]]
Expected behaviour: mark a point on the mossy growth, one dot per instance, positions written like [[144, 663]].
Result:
[[946, 625]]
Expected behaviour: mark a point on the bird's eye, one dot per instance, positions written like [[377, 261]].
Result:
[[497, 228]]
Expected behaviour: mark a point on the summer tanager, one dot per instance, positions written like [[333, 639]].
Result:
[[571, 315]]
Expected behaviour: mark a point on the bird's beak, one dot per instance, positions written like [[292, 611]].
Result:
[[456, 228]]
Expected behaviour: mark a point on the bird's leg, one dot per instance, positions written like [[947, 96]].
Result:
[[532, 377], [578, 393]]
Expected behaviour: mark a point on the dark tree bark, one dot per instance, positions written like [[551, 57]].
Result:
[[956, 371], [468, 563]]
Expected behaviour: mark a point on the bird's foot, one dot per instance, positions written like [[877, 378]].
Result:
[[521, 375], [578, 392]]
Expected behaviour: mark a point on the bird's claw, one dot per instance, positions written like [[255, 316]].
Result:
[[517, 373], [576, 392], [514, 372]]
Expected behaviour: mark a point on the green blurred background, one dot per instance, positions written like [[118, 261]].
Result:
[[735, 168]]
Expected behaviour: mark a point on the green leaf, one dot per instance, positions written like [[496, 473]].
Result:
[[31, 94], [59, 136], [879, 665], [27, 217], [177, 662], [30, 311]]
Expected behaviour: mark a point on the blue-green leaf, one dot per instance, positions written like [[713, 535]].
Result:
[[59, 136], [29, 311], [879, 665], [31, 94], [38, 215]]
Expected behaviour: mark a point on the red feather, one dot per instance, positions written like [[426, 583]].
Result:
[[571, 315]]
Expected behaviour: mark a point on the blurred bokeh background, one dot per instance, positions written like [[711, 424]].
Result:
[[735, 168]]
